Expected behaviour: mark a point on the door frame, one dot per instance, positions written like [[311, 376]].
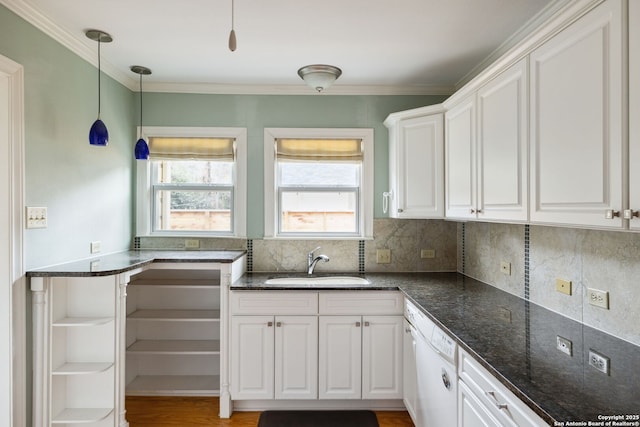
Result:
[[14, 396]]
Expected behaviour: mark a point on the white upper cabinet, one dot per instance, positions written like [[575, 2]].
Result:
[[577, 138], [460, 159], [416, 162], [486, 150], [502, 147], [634, 115]]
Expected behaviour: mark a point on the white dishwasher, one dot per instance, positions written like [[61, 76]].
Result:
[[436, 373]]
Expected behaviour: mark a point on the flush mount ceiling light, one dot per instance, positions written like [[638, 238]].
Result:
[[232, 34], [141, 149], [98, 134], [319, 76]]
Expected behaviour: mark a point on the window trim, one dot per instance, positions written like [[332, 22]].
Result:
[[270, 179], [144, 194]]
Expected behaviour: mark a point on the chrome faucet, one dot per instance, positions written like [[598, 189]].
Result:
[[311, 261]]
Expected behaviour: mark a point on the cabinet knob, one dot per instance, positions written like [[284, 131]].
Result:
[[492, 395], [611, 214], [366, 323], [479, 211], [278, 324], [357, 324], [630, 214], [269, 324], [472, 211]]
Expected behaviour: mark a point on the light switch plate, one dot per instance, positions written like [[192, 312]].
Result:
[[563, 286], [505, 268], [36, 217], [383, 256], [564, 345]]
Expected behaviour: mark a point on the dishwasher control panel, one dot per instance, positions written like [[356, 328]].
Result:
[[443, 343]]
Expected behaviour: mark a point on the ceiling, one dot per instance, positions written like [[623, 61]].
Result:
[[382, 46]]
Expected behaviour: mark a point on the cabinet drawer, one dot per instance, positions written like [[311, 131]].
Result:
[[360, 302], [273, 302], [500, 401]]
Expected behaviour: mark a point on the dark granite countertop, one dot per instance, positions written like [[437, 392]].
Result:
[[516, 341], [121, 262]]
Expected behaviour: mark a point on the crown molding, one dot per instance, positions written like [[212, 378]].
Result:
[[537, 21], [302, 89], [69, 40]]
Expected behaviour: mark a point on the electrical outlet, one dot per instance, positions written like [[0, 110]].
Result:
[[599, 361], [192, 243], [36, 217], [95, 247], [563, 286], [427, 253], [564, 345], [505, 268], [598, 298], [383, 256]]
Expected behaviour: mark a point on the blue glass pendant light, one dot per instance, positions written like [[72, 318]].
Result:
[[98, 134], [141, 150]]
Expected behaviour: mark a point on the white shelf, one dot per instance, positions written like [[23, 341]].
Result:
[[82, 321], [180, 385], [176, 315], [174, 347], [81, 415], [82, 368], [174, 283]]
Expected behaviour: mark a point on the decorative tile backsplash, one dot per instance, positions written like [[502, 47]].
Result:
[[605, 260], [405, 239]]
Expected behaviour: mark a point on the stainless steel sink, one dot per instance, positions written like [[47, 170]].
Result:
[[322, 280]]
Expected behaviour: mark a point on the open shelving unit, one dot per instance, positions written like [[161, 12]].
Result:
[[173, 333], [82, 336]]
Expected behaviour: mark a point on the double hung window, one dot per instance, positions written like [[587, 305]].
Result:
[[194, 184], [319, 181]]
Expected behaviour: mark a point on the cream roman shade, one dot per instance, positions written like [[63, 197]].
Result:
[[319, 149], [176, 148]]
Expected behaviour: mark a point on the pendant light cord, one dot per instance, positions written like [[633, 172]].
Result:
[[99, 77], [140, 105]]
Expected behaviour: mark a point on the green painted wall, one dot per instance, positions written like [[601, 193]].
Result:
[[88, 190], [255, 112]]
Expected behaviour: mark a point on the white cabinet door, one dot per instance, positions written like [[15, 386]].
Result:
[[416, 168], [502, 146], [634, 114], [576, 122], [460, 160], [339, 371], [409, 384], [252, 352], [471, 412], [382, 357], [296, 357]]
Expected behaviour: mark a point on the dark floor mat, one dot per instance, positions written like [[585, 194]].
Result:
[[318, 419]]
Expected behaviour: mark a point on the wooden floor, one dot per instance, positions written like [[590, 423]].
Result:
[[203, 411]]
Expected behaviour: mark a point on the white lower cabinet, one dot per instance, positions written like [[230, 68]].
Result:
[[361, 357], [274, 357], [252, 355], [409, 382], [484, 401], [340, 375], [305, 345]]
